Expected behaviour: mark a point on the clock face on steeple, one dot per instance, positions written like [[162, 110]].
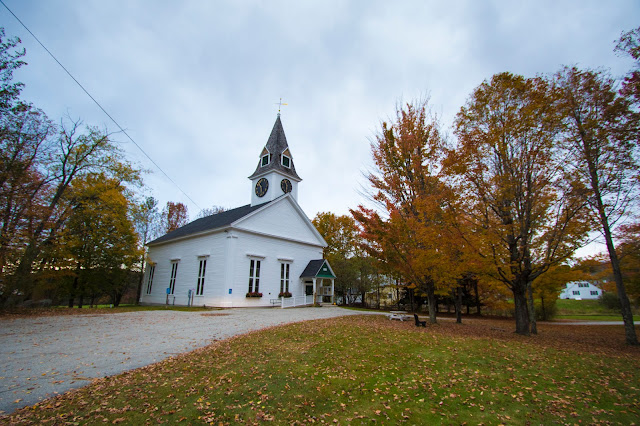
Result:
[[285, 185], [262, 186]]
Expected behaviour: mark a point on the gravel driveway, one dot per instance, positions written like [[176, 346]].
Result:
[[41, 357]]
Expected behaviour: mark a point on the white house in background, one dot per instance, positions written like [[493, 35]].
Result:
[[579, 290], [255, 255]]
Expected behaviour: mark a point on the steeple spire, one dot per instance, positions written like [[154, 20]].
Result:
[[276, 174], [276, 155]]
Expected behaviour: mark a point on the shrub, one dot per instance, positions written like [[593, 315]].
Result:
[[609, 300], [550, 309]]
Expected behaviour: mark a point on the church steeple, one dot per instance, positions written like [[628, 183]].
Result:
[[275, 174], [276, 154]]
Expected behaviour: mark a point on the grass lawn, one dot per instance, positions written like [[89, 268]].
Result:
[[367, 369], [590, 310], [636, 318]]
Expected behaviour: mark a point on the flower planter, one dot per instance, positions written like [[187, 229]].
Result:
[[254, 294]]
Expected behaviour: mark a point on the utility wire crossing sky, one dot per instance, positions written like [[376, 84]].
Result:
[[193, 83]]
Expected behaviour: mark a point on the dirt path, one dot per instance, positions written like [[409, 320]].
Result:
[[43, 356]]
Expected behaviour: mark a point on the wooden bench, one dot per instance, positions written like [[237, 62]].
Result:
[[418, 322]]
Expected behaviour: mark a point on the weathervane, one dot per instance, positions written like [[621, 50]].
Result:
[[280, 105]]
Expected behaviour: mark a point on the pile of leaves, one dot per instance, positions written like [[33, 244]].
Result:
[[355, 370]]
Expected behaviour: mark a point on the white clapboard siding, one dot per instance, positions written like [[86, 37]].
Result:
[[278, 233], [284, 219]]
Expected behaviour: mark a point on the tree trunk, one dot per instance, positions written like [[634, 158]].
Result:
[[72, 295], [521, 311], [458, 301], [411, 300], [431, 301], [475, 289], [625, 305], [544, 311], [532, 310]]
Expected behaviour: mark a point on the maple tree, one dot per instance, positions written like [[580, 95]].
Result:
[[356, 273], [601, 152], [516, 194], [413, 238], [100, 239], [629, 248], [339, 232], [174, 215]]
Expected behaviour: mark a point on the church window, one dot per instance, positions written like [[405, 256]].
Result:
[[594, 292], [284, 277], [201, 272], [151, 269], [576, 292], [254, 276], [265, 160], [172, 280], [286, 161]]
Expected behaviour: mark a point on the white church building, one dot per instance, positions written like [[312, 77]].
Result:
[[262, 254]]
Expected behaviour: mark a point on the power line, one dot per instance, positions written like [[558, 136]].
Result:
[[100, 106]]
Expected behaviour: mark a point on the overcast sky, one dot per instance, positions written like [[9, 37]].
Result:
[[195, 83]]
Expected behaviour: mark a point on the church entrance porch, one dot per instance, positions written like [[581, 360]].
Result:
[[319, 279]]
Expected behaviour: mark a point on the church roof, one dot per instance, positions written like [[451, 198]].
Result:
[[209, 223], [276, 146]]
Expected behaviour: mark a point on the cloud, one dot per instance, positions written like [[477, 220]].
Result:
[[196, 83]]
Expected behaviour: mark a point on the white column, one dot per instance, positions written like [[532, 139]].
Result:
[[333, 300], [315, 290]]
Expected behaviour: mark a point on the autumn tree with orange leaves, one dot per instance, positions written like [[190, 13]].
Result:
[[174, 216], [517, 196], [409, 230]]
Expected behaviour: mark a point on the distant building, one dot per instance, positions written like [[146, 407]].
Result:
[[580, 290], [262, 254]]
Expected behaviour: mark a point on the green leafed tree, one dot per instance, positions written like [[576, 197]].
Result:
[[342, 251], [146, 220], [100, 238]]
